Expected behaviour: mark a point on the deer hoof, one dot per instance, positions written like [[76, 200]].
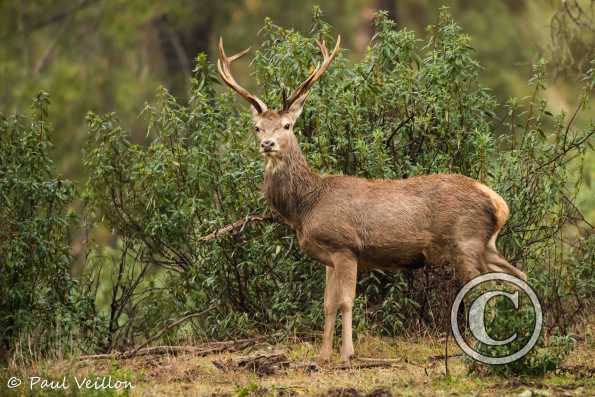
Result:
[[323, 358], [346, 358]]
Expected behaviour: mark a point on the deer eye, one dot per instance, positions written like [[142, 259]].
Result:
[[257, 129], [286, 126]]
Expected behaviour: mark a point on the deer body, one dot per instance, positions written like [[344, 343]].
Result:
[[386, 224], [345, 222]]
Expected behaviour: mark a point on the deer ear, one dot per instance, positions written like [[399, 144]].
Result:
[[296, 107], [254, 112]]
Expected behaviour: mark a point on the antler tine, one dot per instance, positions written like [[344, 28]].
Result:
[[316, 73], [323, 48], [224, 68]]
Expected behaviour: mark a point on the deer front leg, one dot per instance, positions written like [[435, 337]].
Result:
[[346, 280], [330, 315]]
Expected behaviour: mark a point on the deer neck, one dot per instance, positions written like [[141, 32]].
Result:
[[290, 186]]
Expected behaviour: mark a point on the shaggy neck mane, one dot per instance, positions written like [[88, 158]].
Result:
[[290, 186]]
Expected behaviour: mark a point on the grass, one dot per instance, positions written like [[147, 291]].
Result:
[[416, 372]]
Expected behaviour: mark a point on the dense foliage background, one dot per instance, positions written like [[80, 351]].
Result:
[[152, 190], [112, 55], [34, 240]]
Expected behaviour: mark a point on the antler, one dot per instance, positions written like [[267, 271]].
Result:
[[315, 75], [223, 66]]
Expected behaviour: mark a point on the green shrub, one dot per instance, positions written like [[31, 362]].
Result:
[[35, 282]]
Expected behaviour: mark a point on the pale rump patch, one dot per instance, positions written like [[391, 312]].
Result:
[[501, 210]]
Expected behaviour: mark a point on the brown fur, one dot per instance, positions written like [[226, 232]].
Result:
[[384, 223]]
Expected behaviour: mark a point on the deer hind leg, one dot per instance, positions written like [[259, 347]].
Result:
[[469, 261], [497, 263]]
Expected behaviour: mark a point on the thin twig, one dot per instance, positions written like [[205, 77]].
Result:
[[573, 145], [446, 353], [167, 328], [390, 138]]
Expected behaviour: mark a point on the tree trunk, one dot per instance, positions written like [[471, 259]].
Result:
[[365, 30], [179, 46]]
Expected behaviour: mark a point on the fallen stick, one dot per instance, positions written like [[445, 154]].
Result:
[[378, 360], [268, 363], [261, 363], [209, 348], [442, 357], [148, 351], [370, 364]]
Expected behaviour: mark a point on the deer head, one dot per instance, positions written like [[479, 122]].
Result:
[[274, 128]]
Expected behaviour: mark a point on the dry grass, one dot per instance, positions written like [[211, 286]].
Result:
[[415, 371]]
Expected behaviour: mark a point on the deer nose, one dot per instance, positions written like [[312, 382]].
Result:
[[267, 145]]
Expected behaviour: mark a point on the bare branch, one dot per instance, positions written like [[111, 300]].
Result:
[[165, 329], [237, 226]]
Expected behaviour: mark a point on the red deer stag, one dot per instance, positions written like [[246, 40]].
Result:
[[345, 221]]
